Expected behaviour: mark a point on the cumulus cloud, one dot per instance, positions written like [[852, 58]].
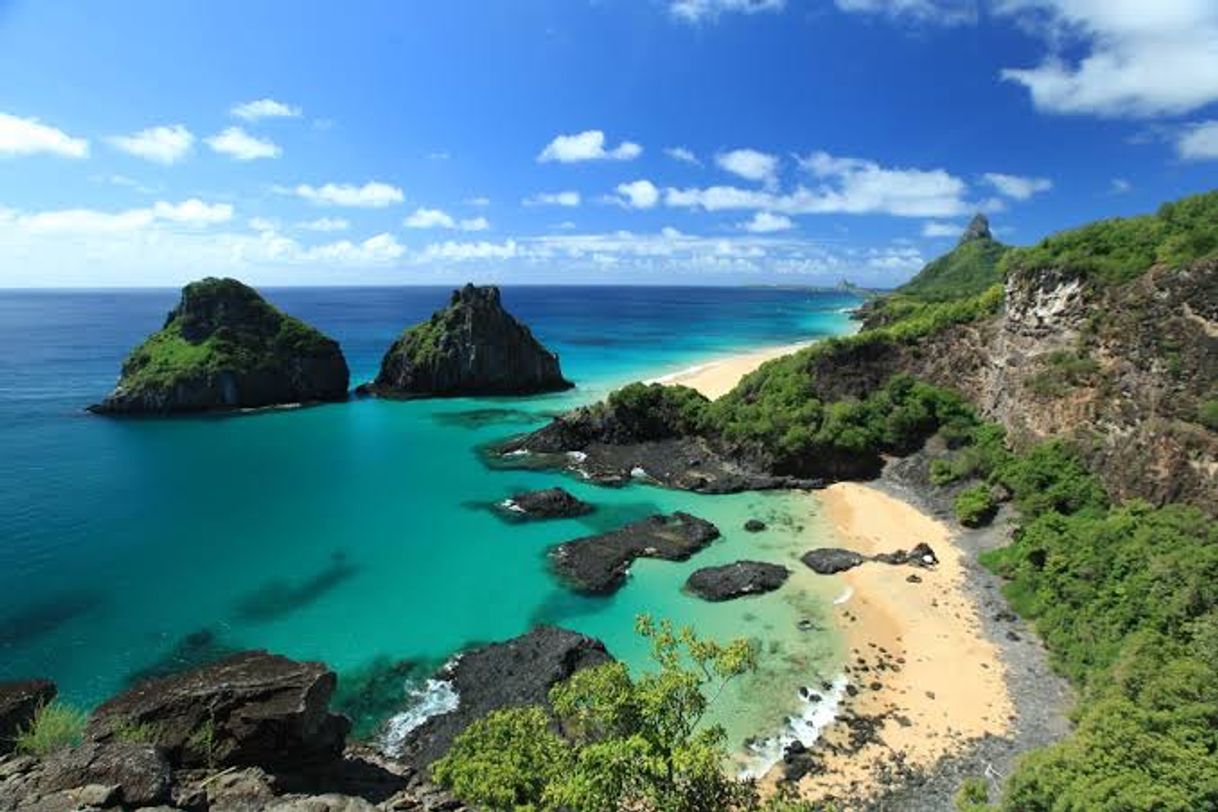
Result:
[[239, 145], [452, 251], [28, 136], [587, 146], [565, 199], [326, 224], [750, 164], [190, 213], [1017, 187], [437, 218], [695, 11], [933, 228], [264, 108], [844, 186], [683, 155], [765, 222], [372, 195], [1138, 59], [1198, 142], [166, 144], [639, 194]]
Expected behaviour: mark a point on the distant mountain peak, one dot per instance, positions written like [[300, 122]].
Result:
[[978, 229]]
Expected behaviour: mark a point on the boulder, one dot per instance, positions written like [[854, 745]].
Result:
[[138, 773], [250, 709], [754, 525], [736, 580], [829, 560], [19, 701], [920, 556], [515, 673], [471, 347], [597, 565], [551, 503], [224, 347]]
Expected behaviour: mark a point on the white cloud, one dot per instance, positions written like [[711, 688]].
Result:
[[566, 199], [1017, 187], [264, 108], [695, 11], [1120, 186], [933, 228], [765, 222], [436, 218], [192, 213], [639, 194], [931, 12], [263, 224], [166, 144], [845, 186], [372, 195], [587, 146], [1199, 142], [383, 248], [477, 201], [28, 136], [1139, 57], [683, 155], [464, 251], [750, 165], [326, 224], [241, 146]]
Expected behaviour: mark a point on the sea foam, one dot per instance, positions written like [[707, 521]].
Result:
[[433, 698], [806, 728]]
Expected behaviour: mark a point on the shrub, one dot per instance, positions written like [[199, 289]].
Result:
[[973, 795], [1207, 414], [55, 727], [975, 507]]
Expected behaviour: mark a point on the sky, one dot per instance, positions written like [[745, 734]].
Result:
[[582, 141]]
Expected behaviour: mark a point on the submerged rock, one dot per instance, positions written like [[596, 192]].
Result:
[[551, 503], [515, 673], [754, 525], [19, 702], [830, 560], [225, 347], [471, 347], [736, 580], [597, 565], [253, 708]]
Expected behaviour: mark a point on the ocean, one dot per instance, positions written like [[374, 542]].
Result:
[[361, 533]]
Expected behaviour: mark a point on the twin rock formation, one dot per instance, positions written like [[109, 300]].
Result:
[[224, 347]]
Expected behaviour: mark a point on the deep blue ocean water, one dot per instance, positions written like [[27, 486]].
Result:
[[354, 533]]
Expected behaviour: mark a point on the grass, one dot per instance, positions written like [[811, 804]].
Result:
[[56, 726], [967, 270]]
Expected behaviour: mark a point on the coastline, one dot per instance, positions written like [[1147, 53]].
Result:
[[718, 376]]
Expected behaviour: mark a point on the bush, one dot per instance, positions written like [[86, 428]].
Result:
[[1207, 414], [56, 726], [975, 507], [973, 795]]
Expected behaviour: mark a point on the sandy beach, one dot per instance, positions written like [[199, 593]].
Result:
[[948, 685], [717, 377]]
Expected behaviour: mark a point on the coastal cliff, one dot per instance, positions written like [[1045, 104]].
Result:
[[224, 347], [472, 347]]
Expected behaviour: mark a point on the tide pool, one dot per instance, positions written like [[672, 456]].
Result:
[[360, 533]]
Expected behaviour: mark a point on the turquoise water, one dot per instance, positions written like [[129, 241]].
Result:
[[360, 532]]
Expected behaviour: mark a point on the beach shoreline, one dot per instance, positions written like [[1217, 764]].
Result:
[[718, 376]]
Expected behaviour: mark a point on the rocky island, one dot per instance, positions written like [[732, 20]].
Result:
[[224, 347], [472, 347]]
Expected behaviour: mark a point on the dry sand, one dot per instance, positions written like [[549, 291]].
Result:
[[718, 377]]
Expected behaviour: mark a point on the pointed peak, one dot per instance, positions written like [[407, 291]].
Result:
[[978, 229]]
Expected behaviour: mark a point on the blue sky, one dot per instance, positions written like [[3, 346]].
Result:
[[569, 141]]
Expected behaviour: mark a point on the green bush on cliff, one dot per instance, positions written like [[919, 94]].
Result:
[[56, 726], [632, 742], [967, 270], [654, 411], [1117, 250], [974, 506]]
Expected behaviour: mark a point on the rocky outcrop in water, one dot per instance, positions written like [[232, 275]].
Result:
[[19, 702], [737, 580], [831, 560], [252, 708], [471, 347], [515, 673], [597, 565], [224, 347], [551, 503]]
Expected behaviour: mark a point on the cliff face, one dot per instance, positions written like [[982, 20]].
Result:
[[1125, 372], [472, 347], [225, 347]]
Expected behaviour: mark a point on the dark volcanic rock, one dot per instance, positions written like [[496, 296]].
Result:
[[252, 708], [224, 347], [828, 560], [472, 347], [735, 580], [140, 771], [19, 701], [920, 556], [598, 564], [551, 503], [518, 672], [754, 525]]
